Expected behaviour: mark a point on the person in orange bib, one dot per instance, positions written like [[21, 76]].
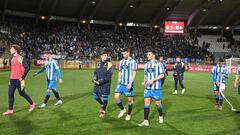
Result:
[[19, 70]]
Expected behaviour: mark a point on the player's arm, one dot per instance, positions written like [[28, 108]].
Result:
[[119, 76], [134, 70], [40, 71], [26, 68], [213, 73], [108, 75], [119, 72], [226, 75], [160, 76], [145, 77], [59, 75], [236, 81]]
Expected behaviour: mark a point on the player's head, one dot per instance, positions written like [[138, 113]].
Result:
[[15, 49], [221, 62], [103, 55], [126, 53], [47, 55], [178, 59], [161, 59], [151, 54]]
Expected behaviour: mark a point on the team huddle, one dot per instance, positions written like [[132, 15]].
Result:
[[154, 75]]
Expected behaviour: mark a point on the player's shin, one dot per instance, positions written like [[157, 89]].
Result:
[[98, 99], [105, 102], [220, 100], [130, 107], [159, 108], [146, 112], [56, 95], [120, 105], [47, 97]]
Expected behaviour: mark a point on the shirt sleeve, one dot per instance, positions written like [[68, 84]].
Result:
[[160, 68], [58, 70], [213, 74], [134, 65], [25, 65]]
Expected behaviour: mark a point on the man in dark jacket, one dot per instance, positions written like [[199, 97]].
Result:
[[179, 69], [102, 82]]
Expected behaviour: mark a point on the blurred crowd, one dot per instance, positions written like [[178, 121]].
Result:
[[74, 41]]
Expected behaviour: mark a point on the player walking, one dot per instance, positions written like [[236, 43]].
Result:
[[53, 72], [126, 77], [19, 71], [154, 72]]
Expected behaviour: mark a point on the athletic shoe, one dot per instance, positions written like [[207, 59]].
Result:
[[102, 114], [122, 113], [183, 90], [160, 119], [42, 105], [128, 117], [220, 108], [32, 107], [100, 110], [144, 123], [59, 102], [8, 112], [175, 92]]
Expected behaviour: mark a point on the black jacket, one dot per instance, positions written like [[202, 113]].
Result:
[[103, 74], [179, 69]]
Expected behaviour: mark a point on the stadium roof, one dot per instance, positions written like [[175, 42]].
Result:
[[193, 12]]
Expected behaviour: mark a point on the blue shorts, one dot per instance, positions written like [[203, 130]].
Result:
[[122, 89], [101, 92], [52, 85], [155, 94], [215, 87]]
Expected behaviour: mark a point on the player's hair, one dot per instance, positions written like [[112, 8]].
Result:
[[17, 48], [153, 51], [221, 60], [47, 52], [178, 57], [126, 49]]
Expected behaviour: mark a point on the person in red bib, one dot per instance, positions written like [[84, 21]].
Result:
[[19, 70]]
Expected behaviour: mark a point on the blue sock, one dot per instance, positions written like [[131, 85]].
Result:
[[221, 100], [146, 111], [160, 110], [130, 106], [119, 103], [217, 99]]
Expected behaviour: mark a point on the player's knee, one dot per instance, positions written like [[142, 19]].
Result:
[[22, 93], [95, 96], [117, 96], [130, 100]]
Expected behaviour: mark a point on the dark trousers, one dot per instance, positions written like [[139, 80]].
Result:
[[16, 84], [176, 83]]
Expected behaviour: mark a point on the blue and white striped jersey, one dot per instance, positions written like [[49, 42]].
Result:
[[126, 67], [52, 70], [238, 71], [152, 70], [218, 71]]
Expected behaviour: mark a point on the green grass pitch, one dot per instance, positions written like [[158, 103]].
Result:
[[192, 113]]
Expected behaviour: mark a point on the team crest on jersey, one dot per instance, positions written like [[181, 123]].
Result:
[[150, 70], [125, 66]]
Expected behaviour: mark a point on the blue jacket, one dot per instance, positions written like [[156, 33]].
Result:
[[103, 74]]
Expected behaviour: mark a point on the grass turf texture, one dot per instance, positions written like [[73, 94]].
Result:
[[191, 113]]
